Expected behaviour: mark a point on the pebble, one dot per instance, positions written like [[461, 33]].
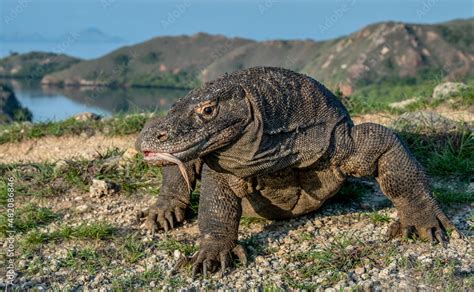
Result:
[[83, 208], [177, 254], [360, 270]]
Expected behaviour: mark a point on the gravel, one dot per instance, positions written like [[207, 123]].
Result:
[[277, 252]]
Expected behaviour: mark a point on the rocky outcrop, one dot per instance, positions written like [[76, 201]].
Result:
[[10, 108], [449, 89], [426, 122]]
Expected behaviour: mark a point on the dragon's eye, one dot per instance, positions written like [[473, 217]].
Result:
[[207, 110]]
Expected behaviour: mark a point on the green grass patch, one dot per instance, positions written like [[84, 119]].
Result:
[[95, 231], [449, 154], [249, 221], [440, 273], [450, 196], [47, 179], [132, 249], [376, 97], [170, 245], [138, 280], [3, 190], [306, 236], [194, 200], [333, 259], [28, 217], [86, 259], [40, 179], [351, 190], [377, 218], [118, 125]]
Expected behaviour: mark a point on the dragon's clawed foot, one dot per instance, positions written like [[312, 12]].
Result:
[[164, 214], [427, 224], [213, 256]]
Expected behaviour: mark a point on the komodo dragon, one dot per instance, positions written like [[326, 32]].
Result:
[[273, 143]]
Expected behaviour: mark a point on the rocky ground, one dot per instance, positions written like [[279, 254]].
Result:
[[82, 239], [340, 246]]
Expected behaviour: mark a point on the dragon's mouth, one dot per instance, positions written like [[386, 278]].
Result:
[[163, 159]]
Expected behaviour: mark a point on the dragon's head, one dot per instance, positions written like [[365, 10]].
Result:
[[203, 121]]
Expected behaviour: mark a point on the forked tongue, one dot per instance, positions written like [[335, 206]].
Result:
[[182, 168]]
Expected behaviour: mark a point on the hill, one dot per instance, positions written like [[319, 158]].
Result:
[[87, 35], [379, 52], [34, 65], [161, 61], [90, 35]]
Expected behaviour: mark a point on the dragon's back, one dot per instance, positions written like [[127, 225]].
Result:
[[293, 116]]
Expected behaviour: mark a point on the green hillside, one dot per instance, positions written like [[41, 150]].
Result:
[[161, 62], [34, 65]]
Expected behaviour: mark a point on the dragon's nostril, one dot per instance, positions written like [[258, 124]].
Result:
[[163, 136]]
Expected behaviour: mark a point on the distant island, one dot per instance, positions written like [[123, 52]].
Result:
[[34, 65], [88, 35], [387, 52]]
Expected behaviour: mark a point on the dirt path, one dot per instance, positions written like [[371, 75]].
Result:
[[57, 148]]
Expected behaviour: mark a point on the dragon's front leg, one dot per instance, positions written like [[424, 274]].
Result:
[[171, 204], [218, 219]]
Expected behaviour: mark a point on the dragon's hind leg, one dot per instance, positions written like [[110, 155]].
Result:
[[379, 152]]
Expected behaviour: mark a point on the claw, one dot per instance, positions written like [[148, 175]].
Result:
[[193, 275], [431, 237], [441, 238], [181, 262], [162, 221], [393, 230], [150, 223], [407, 232], [197, 259], [204, 268], [169, 217], [240, 252], [140, 215], [225, 262], [178, 212]]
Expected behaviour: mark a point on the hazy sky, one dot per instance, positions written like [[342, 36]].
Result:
[[136, 20]]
